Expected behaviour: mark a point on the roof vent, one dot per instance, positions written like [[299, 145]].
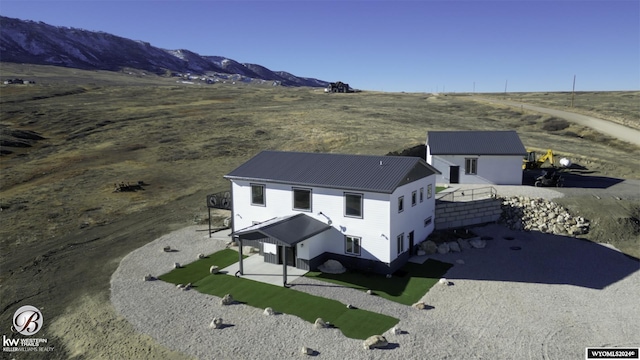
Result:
[[380, 162]]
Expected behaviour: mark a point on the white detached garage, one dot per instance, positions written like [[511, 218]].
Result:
[[476, 157]]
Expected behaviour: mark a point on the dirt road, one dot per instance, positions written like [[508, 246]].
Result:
[[603, 126]]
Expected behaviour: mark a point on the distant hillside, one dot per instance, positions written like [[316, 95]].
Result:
[[30, 42]]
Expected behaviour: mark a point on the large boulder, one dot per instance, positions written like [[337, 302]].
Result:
[[443, 248], [375, 341], [216, 323], [463, 244], [477, 243], [429, 247], [332, 267], [320, 324], [453, 246], [227, 300], [420, 305]]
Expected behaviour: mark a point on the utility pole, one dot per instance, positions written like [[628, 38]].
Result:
[[505, 87], [474, 87], [573, 91]]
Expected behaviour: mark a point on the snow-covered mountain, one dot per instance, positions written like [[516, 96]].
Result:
[[24, 41]]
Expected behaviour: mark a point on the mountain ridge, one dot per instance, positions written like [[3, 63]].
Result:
[[31, 42]]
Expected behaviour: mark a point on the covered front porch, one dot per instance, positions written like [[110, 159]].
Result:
[[284, 234], [255, 268]]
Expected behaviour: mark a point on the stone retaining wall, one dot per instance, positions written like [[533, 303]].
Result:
[[451, 215]]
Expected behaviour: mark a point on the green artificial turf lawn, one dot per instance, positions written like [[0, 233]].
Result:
[[199, 269], [406, 289], [354, 323]]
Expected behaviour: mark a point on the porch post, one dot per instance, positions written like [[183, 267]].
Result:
[[240, 254], [284, 266]]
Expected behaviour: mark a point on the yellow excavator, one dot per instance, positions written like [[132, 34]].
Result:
[[531, 161]]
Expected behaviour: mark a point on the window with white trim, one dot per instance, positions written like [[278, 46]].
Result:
[[471, 166], [400, 243], [352, 245], [429, 191], [421, 194], [414, 198], [427, 221], [257, 195], [401, 204]]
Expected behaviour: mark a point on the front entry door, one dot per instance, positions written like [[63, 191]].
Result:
[[454, 174], [411, 245], [290, 256]]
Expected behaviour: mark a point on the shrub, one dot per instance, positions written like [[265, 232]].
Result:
[[555, 124]]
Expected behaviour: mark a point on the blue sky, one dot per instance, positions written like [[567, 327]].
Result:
[[412, 46]]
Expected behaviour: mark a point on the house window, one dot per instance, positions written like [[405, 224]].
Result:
[[257, 194], [302, 199], [353, 205], [427, 221], [429, 191], [414, 198], [400, 243], [401, 204], [471, 166], [421, 194], [352, 245]]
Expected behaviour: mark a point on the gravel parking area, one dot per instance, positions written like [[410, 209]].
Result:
[[525, 295]]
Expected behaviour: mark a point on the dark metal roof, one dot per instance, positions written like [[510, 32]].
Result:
[[286, 230], [475, 143], [338, 171]]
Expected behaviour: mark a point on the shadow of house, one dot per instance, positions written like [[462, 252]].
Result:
[[577, 180], [396, 285], [543, 259], [573, 178]]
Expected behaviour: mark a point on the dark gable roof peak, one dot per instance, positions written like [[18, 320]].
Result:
[[374, 173], [475, 143]]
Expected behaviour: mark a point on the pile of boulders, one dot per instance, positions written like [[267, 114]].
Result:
[[430, 247], [535, 214]]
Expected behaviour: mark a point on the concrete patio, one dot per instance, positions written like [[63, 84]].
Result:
[[256, 269]]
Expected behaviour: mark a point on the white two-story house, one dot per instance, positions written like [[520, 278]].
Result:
[[301, 209]]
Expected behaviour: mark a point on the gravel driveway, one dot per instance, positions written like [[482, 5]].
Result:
[[606, 127], [549, 298]]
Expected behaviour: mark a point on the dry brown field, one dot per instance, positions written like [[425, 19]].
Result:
[[64, 230]]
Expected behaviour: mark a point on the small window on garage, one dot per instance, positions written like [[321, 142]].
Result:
[[471, 166]]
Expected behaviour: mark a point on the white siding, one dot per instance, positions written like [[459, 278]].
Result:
[[412, 217], [318, 244], [279, 202], [491, 169]]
